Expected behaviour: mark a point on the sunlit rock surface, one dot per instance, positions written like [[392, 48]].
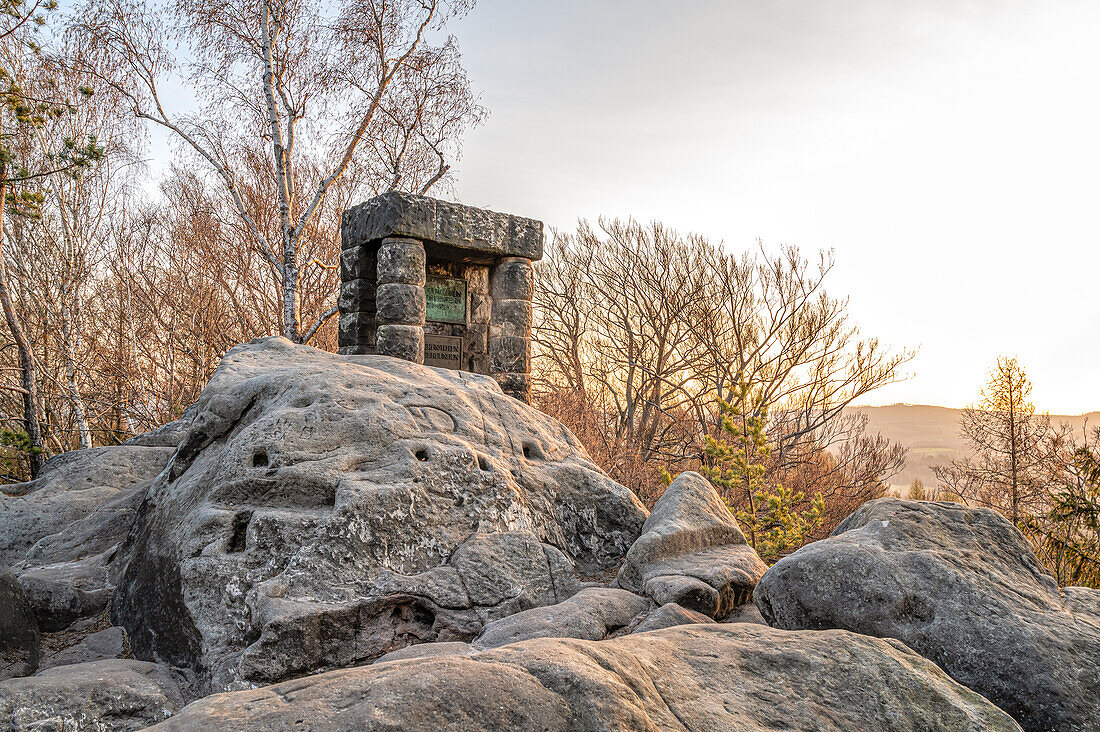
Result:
[[692, 552], [594, 613], [962, 587], [704, 678], [323, 510]]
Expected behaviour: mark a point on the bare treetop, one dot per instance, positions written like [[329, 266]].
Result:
[[294, 97]]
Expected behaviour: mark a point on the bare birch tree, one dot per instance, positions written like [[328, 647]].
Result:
[[68, 237], [29, 98], [771, 325], [296, 95], [614, 326], [642, 334]]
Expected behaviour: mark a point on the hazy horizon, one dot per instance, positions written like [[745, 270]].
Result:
[[933, 436], [861, 405]]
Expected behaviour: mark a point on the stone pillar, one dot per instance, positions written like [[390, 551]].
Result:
[[357, 300], [400, 299], [512, 284]]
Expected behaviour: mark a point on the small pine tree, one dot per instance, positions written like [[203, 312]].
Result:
[[1068, 535], [738, 467], [15, 445]]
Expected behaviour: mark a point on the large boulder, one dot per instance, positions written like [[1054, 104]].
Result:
[[591, 614], [692, 552], [65, 592], [668, 616], [104, 695], [691, 677], [61, 531], [19, 638], [961, 587], [490, 576], [323, 510], [81, 504]]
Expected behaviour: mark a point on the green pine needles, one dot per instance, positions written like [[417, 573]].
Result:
[[1067, 536], [736, 462], [30, 97]]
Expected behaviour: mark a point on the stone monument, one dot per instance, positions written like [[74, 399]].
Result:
[[440, 284]]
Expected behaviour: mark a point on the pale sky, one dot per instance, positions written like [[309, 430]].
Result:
[[949, 151]]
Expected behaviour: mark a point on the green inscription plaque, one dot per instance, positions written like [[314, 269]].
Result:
[[446, 300]]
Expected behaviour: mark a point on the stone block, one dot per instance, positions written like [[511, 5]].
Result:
[[443, 329], [481, 308], [356, 329], [358, 263], [401, 304], [517, 386], [476, 363], [477, 279], [401, 341], [509, 355], [511, 319], [477, 337], [513, 278], [401, 261], [451, 224], [357, 296]]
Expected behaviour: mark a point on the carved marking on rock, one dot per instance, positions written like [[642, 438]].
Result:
[[432, 419]]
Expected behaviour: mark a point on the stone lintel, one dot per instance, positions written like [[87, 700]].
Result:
[[442, 223]]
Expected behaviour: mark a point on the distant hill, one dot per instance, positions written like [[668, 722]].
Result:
[[932, 435]]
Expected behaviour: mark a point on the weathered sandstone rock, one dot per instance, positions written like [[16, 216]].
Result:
[[488, 577], [691, 677], [746, 614], [428, 650], [19, 639], [99, 645], [961, 587], [167, 435], [61, 531], [591, 614], [323, 510], [65, 592], [103, 696], [668, 616], [692, 552], [80, 504]]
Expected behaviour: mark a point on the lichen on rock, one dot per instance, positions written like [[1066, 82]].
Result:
[[692, 552], [319, 509], [962, 587]]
